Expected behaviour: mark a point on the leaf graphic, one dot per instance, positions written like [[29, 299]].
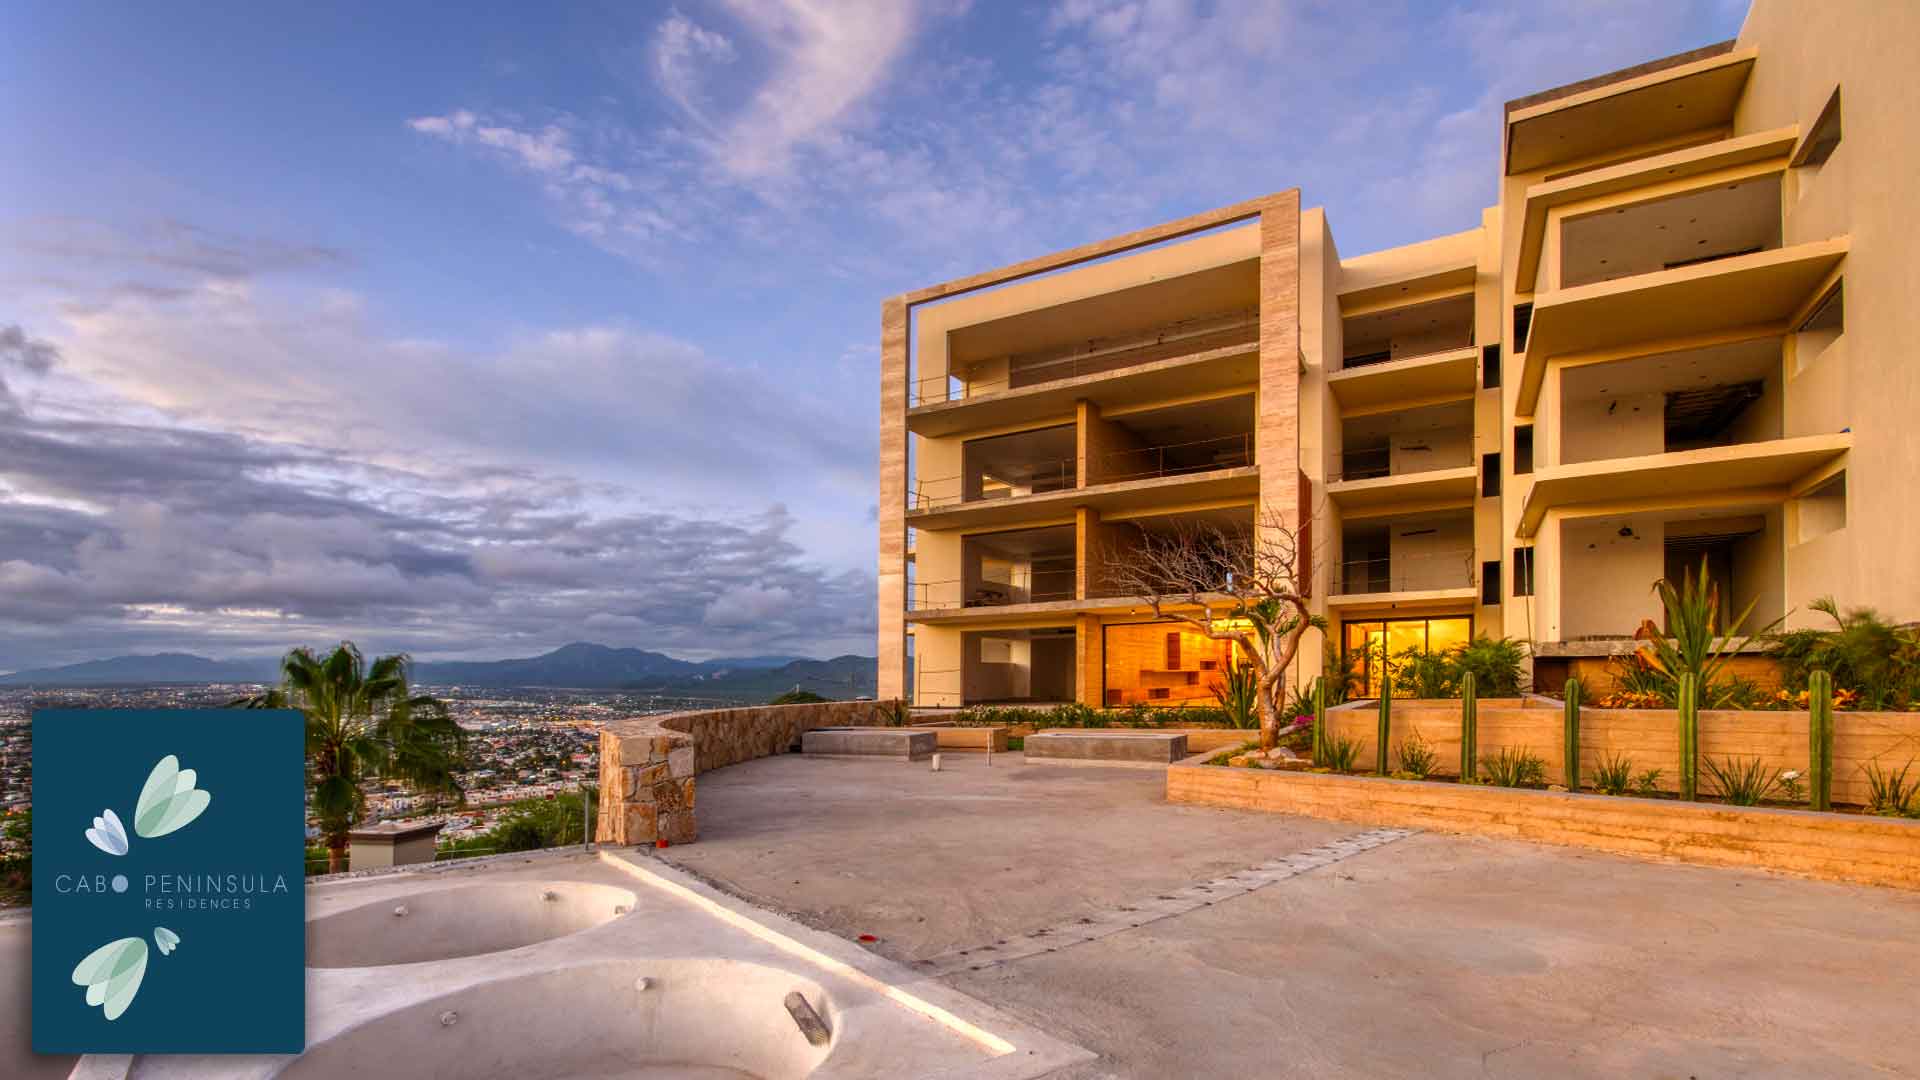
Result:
[[166, 939], [112, 974], [169, 800], [108, 834]]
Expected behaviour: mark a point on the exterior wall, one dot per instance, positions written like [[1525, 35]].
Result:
[[1865, 191], [1606, 579]]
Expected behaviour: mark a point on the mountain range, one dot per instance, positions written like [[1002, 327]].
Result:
[[582, 665]]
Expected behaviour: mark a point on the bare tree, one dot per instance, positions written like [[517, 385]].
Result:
[[1240, 584]]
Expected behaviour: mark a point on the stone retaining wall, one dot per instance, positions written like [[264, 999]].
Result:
[[648, 764], [1650, 738], [1838, 847]]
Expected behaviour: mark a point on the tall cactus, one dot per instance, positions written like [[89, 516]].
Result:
[[1820, 740], [1386, 721], [1469, 726], [1570, 749], [1689, 736], [1320, 742]]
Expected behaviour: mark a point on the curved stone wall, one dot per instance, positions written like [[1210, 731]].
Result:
[[648, 764]]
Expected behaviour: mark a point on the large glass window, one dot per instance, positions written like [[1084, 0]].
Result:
[[1162, 663], [1362, 641]]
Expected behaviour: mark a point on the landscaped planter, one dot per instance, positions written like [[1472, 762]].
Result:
[[1840, 847], [1649, 737]]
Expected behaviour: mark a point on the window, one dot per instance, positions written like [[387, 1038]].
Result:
[[1522, 321], [1823, 137], [1822, 510], [1819, 330], [1363, 643], [1490, 584], [1523, 571], [1161, 664], [1489, 476], [1490, 367], [1523, 450]]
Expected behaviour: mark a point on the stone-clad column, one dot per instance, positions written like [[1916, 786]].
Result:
[[893, 500], [1277, 428]]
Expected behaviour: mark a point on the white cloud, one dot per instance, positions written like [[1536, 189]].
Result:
[[544, 151]]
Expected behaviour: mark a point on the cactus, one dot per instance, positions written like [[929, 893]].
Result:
[[1820, 740], [1570, 748], [1689, 736], [1469, 726], [1386, 721], [1320, 721]]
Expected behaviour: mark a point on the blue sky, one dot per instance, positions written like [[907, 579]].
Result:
[[475, 331]]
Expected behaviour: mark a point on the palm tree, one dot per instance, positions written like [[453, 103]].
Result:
[[363, 722]]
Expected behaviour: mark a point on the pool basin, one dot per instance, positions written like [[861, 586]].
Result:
[[447, 923]]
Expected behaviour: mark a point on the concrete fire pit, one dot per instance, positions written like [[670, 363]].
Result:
[[1140, 749], [907, 743]]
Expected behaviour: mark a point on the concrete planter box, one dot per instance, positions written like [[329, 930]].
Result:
[[1140, 749], [949, 737], [910, 744], [1836, 847]]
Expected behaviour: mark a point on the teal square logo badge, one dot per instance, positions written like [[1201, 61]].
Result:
[[168, 891]]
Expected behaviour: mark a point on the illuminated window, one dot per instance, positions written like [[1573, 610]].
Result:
[[1362, 644], [1162, 664]]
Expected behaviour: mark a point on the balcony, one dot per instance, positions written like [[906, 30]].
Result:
[[1422, 454], [1133, 461], [1725, 395], [1182, 334], [1415, 556], [1440, 376], [1753, 295], [1016, 568], [1631, 109], [1766, 471]]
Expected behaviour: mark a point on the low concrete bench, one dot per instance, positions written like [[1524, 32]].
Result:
[[911, 744], [950, 737], [1140, 749]]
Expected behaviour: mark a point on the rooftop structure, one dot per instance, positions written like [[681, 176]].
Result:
[[1676, 338]]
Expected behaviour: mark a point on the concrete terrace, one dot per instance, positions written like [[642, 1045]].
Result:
[[1425, 954]]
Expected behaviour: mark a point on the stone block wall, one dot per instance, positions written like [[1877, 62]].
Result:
[[648, 764]]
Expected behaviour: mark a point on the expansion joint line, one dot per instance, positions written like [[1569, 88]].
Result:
[[1164, 906]]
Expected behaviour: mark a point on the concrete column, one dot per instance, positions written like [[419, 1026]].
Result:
[[892, 645], [1089, 669]]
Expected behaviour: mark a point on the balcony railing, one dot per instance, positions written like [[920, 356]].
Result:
[[1409, 573], [1415, 455], [1052, 580], [1118, 466], [1094, 356], [1385, 356]]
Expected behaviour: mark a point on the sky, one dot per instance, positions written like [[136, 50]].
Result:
[[473, 331]]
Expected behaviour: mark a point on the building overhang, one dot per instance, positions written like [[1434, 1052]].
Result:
[[1772, 470], [1413, 602], [1420, 380], [1761, 292], [1692, 161], [1215, 485], [1696, 96], [1423, 488], [1224, 368], [1052, 613]]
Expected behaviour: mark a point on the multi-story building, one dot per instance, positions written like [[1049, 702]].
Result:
[[1684, 333]]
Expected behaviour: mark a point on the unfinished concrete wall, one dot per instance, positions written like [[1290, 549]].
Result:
[[1606, 580]]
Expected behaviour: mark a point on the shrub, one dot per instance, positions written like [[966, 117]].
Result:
[[797, 697], [1421, 674], [1338, 678], [1495, 663], [1889, 793], [1515, 767], [1342, 753], [1741, 781], [1874, 664], [1417, 758], [1647, 783], [1613, 775], [1793, 785]]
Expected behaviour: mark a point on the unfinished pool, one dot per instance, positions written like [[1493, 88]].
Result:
[[605, 964], [633, 1018], [446, 923]]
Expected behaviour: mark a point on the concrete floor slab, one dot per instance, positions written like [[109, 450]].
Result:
[[1433, 955]]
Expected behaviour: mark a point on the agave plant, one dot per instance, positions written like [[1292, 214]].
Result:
[[1696, 643], [1742, 781], [1238, 693]]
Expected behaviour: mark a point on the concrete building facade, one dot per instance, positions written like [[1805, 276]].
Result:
[[1681, 335]]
